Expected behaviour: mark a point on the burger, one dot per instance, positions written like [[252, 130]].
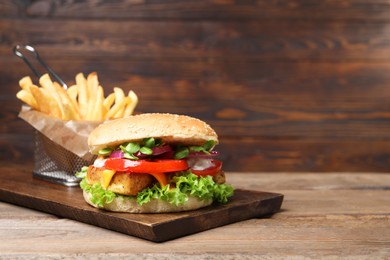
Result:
[[154, 163]]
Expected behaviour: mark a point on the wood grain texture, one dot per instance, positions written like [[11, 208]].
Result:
[[193, 9], [20, 188], [205, 41], [293, 86], [324, 216]]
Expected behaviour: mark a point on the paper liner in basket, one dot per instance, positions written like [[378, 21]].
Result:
[[72, 134]]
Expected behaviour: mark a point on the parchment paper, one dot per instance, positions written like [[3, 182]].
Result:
[[71, 135]]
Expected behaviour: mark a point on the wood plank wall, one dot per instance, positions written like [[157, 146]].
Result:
[[291, 85]]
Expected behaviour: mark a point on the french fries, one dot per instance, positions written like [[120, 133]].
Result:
[[83, 101]]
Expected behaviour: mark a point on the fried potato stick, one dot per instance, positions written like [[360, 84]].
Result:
[[81, 82]]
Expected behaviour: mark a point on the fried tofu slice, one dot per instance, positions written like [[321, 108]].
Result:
[[121, 182]]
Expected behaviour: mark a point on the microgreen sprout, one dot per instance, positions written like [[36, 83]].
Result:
[[208, 145], [105, 151], [205, 148], [132, 148], [149, 142], [146, 150], [130, 156], [181, 152], [82, 173]]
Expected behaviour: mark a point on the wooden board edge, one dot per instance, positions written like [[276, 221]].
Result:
[[161, 232], [92, 216], [250, 209]]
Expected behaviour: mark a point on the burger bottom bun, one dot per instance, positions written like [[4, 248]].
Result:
[[121, 204]]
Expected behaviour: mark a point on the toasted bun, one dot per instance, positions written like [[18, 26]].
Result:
[[170, 128], [121, 204]]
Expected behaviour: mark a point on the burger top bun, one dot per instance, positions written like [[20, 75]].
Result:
[[170, 128]]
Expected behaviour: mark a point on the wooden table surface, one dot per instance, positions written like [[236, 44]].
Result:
[[323, 216]]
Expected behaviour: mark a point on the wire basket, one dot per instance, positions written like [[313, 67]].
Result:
[[56, 164]]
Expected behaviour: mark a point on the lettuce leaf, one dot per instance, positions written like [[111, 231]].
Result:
[[176, 193], [100, 196]]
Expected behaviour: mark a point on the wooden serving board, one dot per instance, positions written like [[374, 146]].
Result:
[[20, 188]]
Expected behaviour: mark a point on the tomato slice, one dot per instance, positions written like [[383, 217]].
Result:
[[155, 168], [213, 170], [144, 166]]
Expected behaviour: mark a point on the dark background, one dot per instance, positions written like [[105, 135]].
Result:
[[288, 85]]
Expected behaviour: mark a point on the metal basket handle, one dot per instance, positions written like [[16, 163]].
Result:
[[31, 49]]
